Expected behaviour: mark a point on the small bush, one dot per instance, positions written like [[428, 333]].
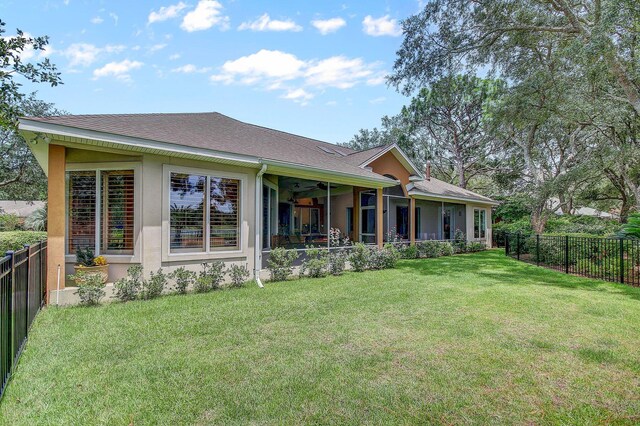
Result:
[[84, 256], [154, 286], [239, 275], [384, 258], [408, 251], [280, 263], [459, 242], [315, 264], [16, 240], [446, 249], [90, 288], [183, 279], [337, 261], [475, 246], [210, 277], [359, 257], [37, 221], [10, 222], [127, 288], [429, 248], [338, 239]]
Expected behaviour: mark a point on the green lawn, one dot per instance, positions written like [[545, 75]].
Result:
[[467, 339]]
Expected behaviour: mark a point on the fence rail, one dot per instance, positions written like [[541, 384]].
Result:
[[609, 259], [22, 294]]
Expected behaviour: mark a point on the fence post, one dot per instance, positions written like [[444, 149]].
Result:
[[12, 311], [621, 260], [506, 243], [518, 246], [537, 249], [566, 254]]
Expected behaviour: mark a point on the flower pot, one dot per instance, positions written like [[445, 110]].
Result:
[[102, 270]]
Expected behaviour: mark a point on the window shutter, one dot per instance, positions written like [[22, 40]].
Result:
[[117, 216], [224, 213], [186, 201], [81, 210]]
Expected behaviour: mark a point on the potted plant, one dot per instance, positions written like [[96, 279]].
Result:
[[90, 265]]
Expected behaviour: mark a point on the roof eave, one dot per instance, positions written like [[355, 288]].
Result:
[[405, 159], [428, 195]]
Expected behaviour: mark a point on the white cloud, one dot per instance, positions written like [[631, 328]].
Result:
[[377, 79], [379, 100], [114, 17], [174, 57], [97, 20], [328, 26], [298, 79], [265, 23], [157, 47], [206, 15], [166, 12], [84, 54], [383, 26], [190, 69], [119, 70]]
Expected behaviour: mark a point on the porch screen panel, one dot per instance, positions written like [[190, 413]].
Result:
[[117, 217], [480, 223], [224, 213], [187, 212], [81, 207]]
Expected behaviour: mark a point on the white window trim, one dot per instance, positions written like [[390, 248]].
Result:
[[240, 252], [486, 231], [137, 208]]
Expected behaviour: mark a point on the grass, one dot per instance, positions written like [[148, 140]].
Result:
[[467, 339]]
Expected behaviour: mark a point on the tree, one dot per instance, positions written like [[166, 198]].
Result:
[[454, 115], [12, 50], [21, 177], [599, 37]]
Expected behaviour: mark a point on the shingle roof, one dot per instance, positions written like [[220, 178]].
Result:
[[359, 157], [216, 131], [436, 187]]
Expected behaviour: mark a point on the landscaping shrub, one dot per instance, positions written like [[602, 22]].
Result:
[[127, 288], [359, 257], [446, 249], [90, 288], [429, 248], [315, 263], [154, 286], [338, 239], [37, 221], [16, 240], [210, 277], [183, 279], [475, 246], [337, 262], [280, 263], [459, 242], [10, 222], [384, 258], [408, 251], [239, 275]]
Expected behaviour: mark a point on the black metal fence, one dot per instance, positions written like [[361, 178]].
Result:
[[609, 259], [22, 294]]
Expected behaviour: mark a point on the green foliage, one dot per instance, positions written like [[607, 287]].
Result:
[[315, 263], [632, 227], [16, 240], [384, 258], [514, 208], [210, 277], [429, 248], [446, 249], [90, 287], [475, 246], [337, 262], [10, 222], [359, 257], [239, 275], [183, 278], [127, 288], [85, 256], [280, 263], [459, 242], [408, 251], [154, 286], [37, 221], [522, 226]]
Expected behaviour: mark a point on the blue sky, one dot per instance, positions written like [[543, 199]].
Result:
[[314, 68]]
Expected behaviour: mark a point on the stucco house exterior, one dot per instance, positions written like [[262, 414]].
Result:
[[170, 190]]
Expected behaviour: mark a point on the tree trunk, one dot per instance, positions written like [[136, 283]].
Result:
[[538, 220]]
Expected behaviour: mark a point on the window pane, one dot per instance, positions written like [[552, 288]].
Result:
[[186, 200], [81, 210], [483, 223], [368, 221], [224, 216], [367, 199], [476, 223], [117, 212]]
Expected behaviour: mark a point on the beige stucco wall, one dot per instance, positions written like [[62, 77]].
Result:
[[151, 236], [339, 204]]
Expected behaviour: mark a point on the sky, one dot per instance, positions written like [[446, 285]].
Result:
[[314, 68]]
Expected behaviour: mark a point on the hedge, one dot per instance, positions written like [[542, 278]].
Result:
[[15, 240]]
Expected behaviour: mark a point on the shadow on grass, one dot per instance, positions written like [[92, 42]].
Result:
[[495, 265]]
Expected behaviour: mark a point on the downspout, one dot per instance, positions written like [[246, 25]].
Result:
[[257, 261]]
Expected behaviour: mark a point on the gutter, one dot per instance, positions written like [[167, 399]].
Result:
[[257, 260]]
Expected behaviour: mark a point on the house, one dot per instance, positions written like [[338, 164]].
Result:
[[22, 209], [169, 190]]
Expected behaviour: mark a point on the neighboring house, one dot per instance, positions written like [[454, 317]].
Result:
[[22, 209], [582, 211], [166, 190]]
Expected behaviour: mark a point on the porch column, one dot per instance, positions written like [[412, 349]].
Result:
[[55, 217], [412, 221], [356, 215], [379, 218]]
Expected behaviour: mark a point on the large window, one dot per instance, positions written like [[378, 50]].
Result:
[[479, 223], [100, 211], [367, 217], [204, 213]]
